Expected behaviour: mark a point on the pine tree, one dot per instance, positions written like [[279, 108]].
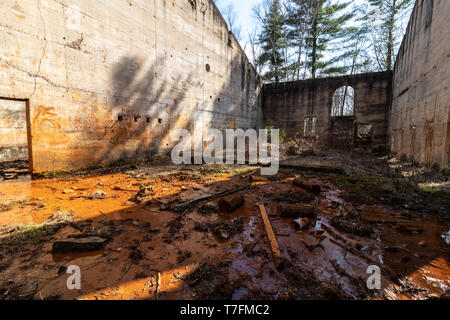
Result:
[[297, 18], [386, 17], [273, 41], [327, 31]]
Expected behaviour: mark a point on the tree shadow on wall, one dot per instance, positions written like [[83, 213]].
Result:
[[149, 100], [144, 110]]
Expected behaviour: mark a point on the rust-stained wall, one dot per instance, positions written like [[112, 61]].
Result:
[[13, 130], [420, 116], [158, 64], [288, 104]]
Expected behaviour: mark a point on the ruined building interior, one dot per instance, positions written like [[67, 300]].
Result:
[[90, 94]]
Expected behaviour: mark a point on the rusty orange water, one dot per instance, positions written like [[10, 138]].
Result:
[[421, 258]]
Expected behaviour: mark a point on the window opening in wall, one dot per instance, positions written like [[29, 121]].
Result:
[[310, 127], [343, 102], [364, 133]]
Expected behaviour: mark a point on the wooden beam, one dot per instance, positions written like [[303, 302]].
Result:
[[277, 259]]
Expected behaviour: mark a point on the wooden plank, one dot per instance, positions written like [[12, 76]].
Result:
[[277, 259]]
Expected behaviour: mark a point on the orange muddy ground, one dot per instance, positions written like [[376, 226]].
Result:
[[154, 253]]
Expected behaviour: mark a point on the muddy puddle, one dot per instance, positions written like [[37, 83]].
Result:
[[153, 252]]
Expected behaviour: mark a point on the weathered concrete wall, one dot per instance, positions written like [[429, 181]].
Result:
[[420, 116], [157, 65], [288, 104], [13, 130]]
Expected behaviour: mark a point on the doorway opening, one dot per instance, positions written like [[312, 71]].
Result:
[[14, 139]]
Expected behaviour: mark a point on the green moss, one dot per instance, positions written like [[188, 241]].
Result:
[[54, 174], [270, 124], [23, 237], [437, 193], [446, 171]]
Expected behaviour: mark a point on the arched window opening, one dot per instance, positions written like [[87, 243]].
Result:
[[343, 102]]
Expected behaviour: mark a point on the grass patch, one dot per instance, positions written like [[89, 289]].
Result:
[[373, 189], [22, 237], [436, 193], [8, 206]]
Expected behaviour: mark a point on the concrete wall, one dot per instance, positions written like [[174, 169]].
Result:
[[13, 130], [157, 65], [420, 116], [288, 104]]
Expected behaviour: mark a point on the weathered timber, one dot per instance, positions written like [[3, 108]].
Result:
[[277, 259], [232, 203], [297, 210], [209, 197], [78, 245], [305, 184]]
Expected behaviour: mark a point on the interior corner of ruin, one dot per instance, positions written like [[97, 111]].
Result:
[[154, 149]]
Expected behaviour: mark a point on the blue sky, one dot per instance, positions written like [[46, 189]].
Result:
[[244, 10]]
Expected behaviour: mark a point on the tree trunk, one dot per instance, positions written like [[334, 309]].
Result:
[[390, 46]]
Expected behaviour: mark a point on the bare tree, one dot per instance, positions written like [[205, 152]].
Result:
[[385, 19], [254, 48], [231, 16]]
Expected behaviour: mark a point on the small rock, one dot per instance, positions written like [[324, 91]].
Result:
[[62, 270], [422, 244], [392, 249], [98, 194], [366, 249], [9, 176], [446, 295], [406, 259], [302, 223]]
